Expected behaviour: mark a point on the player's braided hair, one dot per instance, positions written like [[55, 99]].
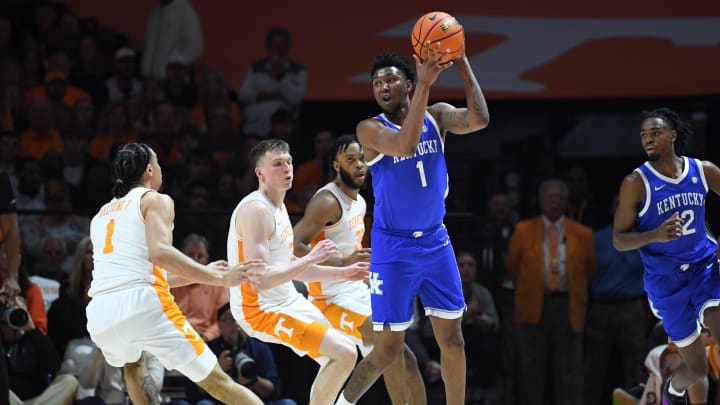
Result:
[[672, 119], [390, 59], [129, 166]]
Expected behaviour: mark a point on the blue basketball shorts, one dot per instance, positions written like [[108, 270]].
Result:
[[404, 266], [680, 299]]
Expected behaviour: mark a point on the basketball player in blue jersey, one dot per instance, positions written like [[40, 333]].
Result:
[[662, 213], [411, 250]]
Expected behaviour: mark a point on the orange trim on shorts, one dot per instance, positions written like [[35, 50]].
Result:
[[315, 287], [173, 313], [292, 331], [334, 314]]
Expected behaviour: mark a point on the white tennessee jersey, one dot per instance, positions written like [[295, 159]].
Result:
[[120, 251], [280, 246], [347, 234]]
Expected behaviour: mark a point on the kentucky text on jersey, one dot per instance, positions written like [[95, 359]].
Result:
[[410, 191], [679, 200], [423, 148]]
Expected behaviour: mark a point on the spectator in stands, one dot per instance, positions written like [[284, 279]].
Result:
[[617, 303], [11, 109], [179, 86], [30, 193], [172, 27], [84, 120], [47, 271], [9, 150], [248, 360], [581, 204], [58, 90], [44, 19], [244, 172], [61, 223], [315, 170], [189, 140], [41, 136], [551, 260], [480, 327], [89, 72], [200, 302], [10, 241], [143, 120], [163, 137], [98, 382], [222, 136], [66, 316], [494, 238], [196, 201], [74, 158], [214, 90], [95, 189], [271, 84], [123, 84], [114, 129], [32, 71], [31, 360]]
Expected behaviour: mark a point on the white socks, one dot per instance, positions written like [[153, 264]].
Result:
[[342, 401], [672, 390]]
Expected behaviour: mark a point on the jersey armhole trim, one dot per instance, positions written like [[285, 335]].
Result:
[[647, 193], [376, 159], [702, 174]]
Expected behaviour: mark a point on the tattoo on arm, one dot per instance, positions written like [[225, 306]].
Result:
[[456, 119], [151, 390]]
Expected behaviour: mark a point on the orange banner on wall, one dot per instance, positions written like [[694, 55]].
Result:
[[518, 49]]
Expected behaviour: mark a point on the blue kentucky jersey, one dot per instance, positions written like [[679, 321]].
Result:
[[410, 191], [665, 196]]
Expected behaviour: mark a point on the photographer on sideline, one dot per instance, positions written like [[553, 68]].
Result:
[[32, 359], [248, 360]]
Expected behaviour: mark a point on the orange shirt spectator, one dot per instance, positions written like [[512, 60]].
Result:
[[35, 145], [55, 77], [36, 307]]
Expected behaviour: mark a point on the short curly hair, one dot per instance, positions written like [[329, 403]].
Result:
[[391, 59]]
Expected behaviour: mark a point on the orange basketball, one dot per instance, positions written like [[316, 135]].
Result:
[[437, 26]]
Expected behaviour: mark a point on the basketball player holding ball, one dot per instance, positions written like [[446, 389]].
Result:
[[411, 250]]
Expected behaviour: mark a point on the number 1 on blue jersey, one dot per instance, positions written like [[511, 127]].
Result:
[[421, 169]]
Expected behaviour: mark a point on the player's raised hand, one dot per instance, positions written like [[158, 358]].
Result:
[[356, 272], [322, 250], [428, 69], [671, 229], [360, 255]]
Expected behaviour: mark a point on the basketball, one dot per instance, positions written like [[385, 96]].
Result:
[[435, 27]]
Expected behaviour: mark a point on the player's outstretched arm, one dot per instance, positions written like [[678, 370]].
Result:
[[632, 192], [355, 272], [256, 224], [475, 116], [159, 212]]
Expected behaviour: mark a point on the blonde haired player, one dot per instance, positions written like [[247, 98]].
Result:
[[337, 213], [132, 310], [273, 311]]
